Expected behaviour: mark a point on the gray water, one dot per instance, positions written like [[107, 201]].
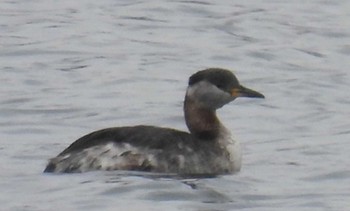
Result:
[[72, 67]]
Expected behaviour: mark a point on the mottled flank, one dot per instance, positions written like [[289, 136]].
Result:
[[177, 152], [102, 157]]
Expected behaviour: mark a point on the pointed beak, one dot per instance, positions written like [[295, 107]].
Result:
[[245, 92]]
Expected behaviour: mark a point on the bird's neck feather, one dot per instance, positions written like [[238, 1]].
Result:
[[201, 122]]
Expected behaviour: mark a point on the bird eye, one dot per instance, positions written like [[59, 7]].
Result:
[[220, 86]]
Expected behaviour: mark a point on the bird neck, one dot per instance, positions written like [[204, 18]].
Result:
[[202, 122]]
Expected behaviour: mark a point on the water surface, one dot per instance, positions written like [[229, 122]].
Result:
[[71, 67]]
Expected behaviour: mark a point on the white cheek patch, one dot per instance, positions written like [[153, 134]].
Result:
[[208, 95]]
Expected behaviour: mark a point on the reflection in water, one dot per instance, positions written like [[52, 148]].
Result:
[[162, 187]]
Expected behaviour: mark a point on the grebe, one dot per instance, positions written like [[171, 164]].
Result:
[[207, 150]]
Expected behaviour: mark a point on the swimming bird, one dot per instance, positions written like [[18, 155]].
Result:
[[207, 149]]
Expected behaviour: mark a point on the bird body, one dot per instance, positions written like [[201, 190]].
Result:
[[208, 147]]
